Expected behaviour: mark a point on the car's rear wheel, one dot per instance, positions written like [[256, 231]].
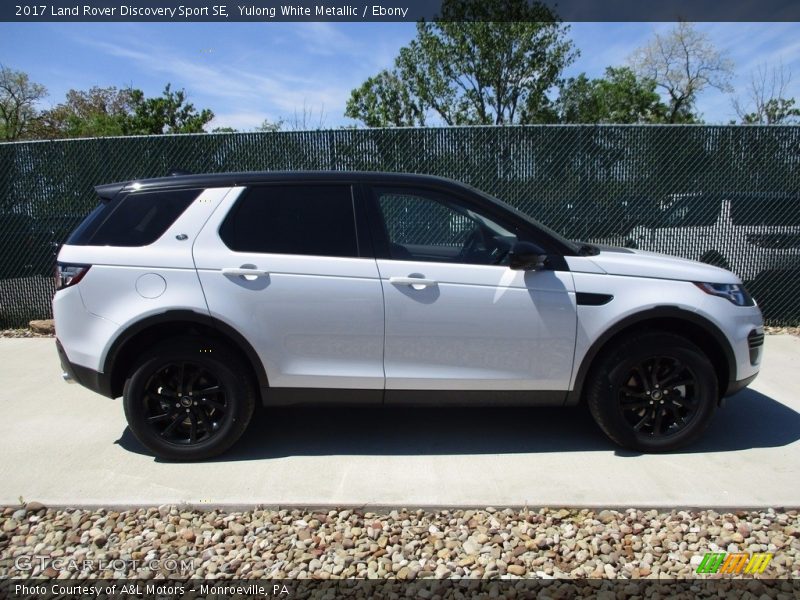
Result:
[[186, 401], [653, 392]]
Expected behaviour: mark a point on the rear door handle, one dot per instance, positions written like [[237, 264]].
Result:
[[233, 271], [417, 283]]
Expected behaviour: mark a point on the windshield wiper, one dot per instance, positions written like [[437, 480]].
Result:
[[588, 250]]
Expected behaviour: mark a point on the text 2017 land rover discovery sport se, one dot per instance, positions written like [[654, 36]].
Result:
[[196, 296]]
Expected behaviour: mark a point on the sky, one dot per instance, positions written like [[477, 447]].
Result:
[[249, 72]]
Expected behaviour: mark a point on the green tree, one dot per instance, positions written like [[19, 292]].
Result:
[[18, 98], [683, 63], [619, 97], [483, 64], [98, 112], [168, 113], [384, 101]]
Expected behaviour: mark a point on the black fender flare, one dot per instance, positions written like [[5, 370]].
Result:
[[186, 316], [653, 314]]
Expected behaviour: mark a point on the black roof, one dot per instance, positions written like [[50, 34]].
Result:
[[248, 178]]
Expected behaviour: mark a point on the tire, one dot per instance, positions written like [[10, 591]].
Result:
[[618, 398], [204, 382]]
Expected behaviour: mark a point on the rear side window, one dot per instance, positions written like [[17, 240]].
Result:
[[135, 219], [309, 220]]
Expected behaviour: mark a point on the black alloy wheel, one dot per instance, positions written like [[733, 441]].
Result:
[[185, 403], [659, 398], [652, 391], [189, 399]]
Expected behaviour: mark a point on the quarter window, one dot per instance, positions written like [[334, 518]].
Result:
[[136, 219], [309, 220]]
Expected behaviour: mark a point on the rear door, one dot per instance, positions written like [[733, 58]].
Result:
[[283, 264]]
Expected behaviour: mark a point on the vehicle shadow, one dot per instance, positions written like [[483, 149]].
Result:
[[749, 420]]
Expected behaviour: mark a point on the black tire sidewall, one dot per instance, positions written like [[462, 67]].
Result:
[[238, 396], [604, 401]]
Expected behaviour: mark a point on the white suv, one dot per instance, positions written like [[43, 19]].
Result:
[[196, 296], [747, 233]]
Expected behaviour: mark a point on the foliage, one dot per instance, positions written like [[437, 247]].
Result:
[[98, 112], [18, 98], [619, 97], [168, 113], [107, 112], [493, 71]]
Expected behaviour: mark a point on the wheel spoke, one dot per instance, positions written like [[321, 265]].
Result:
[[654, 371], [212, 403], [172, 425], [163, 397], [676, 371], [657, 423], [681, 382], [629, 391], [160, 418], [635, 403], [643, 378], [192, 427], [214, 389], [206, 421], [648, 415], [181, 379]]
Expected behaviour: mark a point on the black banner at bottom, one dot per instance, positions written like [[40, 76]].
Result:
[[432, 589]]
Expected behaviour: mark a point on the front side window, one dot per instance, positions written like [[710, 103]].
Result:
[[425, 226], [313, 220]]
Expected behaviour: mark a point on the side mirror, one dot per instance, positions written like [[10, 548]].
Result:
[[525, 256]]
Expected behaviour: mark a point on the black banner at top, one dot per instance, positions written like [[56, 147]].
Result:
[[396, 10]]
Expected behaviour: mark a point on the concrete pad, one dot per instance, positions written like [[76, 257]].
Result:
[[66, 446]]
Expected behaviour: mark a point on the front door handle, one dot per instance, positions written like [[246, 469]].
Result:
[[244, 272], [417, 283]]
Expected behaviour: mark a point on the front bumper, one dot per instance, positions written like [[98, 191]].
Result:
[[737, 386], [88, 378]]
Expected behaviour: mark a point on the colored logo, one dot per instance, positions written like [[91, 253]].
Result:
[[734, 563]]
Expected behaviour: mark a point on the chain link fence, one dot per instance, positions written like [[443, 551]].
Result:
[[727, 195]]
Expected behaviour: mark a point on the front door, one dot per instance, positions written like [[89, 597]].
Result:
[[457, 317]]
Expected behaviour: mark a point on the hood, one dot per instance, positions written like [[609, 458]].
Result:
[[637, 263]]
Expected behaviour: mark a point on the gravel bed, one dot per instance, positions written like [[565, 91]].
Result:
[[22, 333], [402, 544]]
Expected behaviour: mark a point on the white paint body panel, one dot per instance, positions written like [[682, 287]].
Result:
[[110, 301], [478, 327]]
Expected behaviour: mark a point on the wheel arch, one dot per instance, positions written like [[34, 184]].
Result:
[[696, 328], [168, 325]]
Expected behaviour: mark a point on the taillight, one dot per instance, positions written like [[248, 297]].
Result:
[[67, 275]]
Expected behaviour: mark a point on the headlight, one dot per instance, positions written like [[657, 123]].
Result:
[[733, 292]]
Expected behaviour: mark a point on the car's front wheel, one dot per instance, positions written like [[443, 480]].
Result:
[[653, 392], [186, 401]]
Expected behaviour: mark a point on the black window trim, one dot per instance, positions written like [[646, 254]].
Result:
[[363, 239]]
